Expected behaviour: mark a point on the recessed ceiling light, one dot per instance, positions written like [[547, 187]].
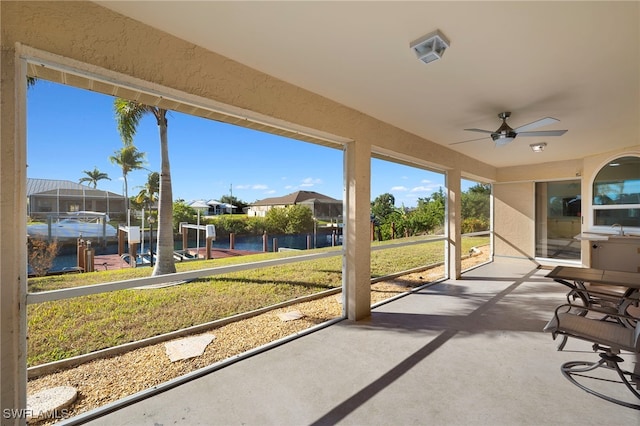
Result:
[[538, 147], [430, 47]]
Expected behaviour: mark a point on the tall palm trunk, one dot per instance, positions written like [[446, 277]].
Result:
[[128, 115], [164, 252], [126, 198]]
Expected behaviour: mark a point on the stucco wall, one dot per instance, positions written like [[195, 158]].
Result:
[[514, 227]]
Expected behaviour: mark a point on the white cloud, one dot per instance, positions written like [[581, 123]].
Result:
[[423, 188], [311, 181], [254, 186], [399, 188]]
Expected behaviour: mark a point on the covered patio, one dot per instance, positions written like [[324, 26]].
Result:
[[460, 352], [343, 75]]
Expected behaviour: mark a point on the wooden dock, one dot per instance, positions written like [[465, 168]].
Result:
[[109, 262]]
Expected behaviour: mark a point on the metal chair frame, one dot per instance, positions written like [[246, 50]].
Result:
[[609, 349]]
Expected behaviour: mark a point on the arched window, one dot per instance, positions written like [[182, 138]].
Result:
[[616, 193]]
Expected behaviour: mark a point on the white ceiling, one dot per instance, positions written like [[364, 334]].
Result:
[[576, 61]]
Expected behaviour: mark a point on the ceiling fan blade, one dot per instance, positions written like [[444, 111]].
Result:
[[538, 123], [479, 130], [543, 133], [470, 140]]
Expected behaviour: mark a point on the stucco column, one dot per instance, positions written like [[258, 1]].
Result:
[[454, 209], [13, 240], [358, 246]]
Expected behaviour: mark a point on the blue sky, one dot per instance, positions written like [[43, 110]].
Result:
[[70, 130]]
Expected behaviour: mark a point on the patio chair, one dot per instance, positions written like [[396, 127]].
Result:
[[609, 337], [611, 306]]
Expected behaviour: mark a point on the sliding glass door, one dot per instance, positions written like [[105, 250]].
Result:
[[558, 219]]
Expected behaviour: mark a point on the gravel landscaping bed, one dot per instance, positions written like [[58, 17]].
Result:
[[103, 381]]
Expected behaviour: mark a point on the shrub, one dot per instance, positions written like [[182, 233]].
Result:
[[256, 225], [227, 224], [40, 255], [473, 224]]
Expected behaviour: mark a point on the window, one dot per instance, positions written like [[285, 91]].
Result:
[[616, 193]]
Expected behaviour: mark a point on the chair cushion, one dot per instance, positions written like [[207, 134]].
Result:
[[593, 330]]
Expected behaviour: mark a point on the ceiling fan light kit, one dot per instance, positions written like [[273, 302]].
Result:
[[502, 140], [430, 47]]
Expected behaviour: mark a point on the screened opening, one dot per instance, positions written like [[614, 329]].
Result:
[[210, 160], [407, 225]]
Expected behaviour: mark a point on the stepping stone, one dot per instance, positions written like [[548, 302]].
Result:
[[290, 316], [50, 403], [188, 347]]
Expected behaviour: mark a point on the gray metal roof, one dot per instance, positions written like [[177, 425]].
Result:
[[39, 186]]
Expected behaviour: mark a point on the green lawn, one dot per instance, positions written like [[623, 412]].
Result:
[[65, 328]]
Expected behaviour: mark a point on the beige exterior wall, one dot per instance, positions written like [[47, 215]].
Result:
[[515, 199], [514, 225]]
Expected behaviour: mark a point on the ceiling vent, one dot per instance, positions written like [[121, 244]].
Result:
[[430, 47]]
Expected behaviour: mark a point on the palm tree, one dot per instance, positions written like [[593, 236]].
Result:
[[128, 158], [92, 177], [149, 192], [128, 116]]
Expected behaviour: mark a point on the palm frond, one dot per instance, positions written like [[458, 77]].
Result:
[[93, 176], [128, 116], [128, 158]]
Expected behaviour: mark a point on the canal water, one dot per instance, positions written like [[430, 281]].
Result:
[[68, 258]]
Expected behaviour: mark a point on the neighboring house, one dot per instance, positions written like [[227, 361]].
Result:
[[212, 207], [322, 206], [47, 197]]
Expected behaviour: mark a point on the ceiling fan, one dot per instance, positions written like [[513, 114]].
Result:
[[505, 134]]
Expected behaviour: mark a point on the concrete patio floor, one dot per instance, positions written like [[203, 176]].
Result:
[[461, 352]]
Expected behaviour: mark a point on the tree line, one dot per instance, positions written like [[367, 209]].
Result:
[[388, 221], [428, 216]]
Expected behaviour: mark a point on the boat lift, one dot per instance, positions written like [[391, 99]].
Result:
[[210, 237]]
